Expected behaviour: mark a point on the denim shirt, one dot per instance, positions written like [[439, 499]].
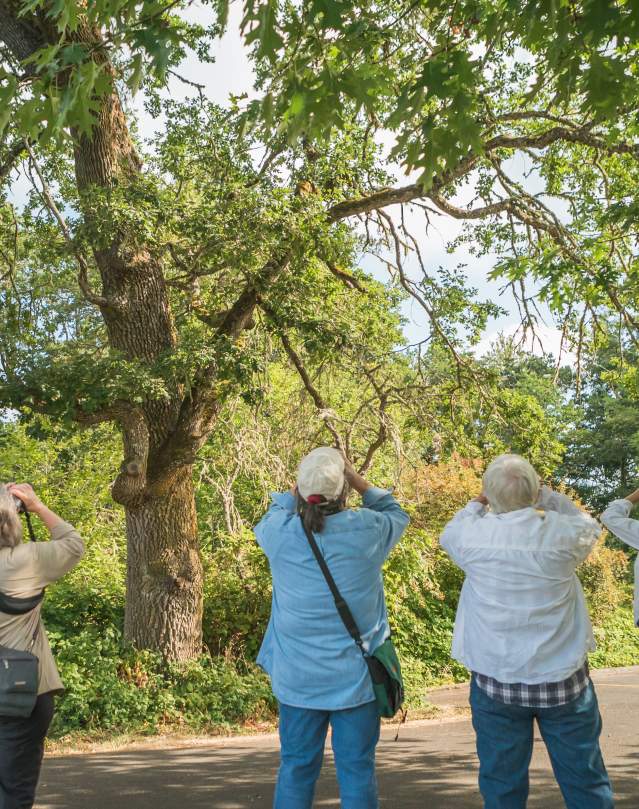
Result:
[[310, 657]]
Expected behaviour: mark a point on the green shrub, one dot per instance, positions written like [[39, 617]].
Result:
[[115, 688], [112, 688], [237, 595], [604, 575], [617, 639]]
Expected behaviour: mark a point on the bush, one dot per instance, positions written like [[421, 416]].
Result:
[[604, 575], [112, 688], [237, 595], [617, 639], [115, 688]]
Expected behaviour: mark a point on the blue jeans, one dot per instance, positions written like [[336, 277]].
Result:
[[355, 733], [571, 734]]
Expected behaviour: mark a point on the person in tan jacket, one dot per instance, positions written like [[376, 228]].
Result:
[[26, 568]]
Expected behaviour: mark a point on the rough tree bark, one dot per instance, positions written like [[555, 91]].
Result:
[[164, 572], [164, 581], [161, 437]]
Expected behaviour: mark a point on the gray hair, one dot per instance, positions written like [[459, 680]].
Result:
[[510, 483], [10, 525]]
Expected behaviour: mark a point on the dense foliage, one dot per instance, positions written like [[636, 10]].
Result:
[[114, 689], [212, 303], [148, 284]]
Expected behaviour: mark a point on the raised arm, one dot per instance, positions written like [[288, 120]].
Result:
[[617, 519], [550, 500], [391, 519], [459, 525], [51, 560], [580, 529], [282, 508]]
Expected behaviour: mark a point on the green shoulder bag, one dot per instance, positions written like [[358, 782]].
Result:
[[383, 663]]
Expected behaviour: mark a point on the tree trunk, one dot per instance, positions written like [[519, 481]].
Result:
[[161, 436], [164, 572]]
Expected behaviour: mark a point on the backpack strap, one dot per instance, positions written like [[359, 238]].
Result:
[[342, 607]]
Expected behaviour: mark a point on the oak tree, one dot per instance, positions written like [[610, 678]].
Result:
[[139, 293]]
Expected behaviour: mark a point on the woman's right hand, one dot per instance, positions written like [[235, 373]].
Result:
[[25, 493]]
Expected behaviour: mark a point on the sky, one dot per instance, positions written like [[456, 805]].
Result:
[[231, 74]]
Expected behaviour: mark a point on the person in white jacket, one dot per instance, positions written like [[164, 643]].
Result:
[[617, 520], [523, 630]]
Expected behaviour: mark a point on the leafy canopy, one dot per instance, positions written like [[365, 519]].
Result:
[[429, 71]]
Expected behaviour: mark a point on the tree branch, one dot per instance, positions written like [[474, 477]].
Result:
[[345, 277], [21, 35], [131, 484], [14, 153], [472, 213], [241, 313], [535, 115], [83, 271], [379, 441], [199, 410], [408, 193], [325, 413], [382, 431]]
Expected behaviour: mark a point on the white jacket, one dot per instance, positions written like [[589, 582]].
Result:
[[617, 520], [522, 615]]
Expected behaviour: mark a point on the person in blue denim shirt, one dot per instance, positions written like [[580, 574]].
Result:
[[317, 672]]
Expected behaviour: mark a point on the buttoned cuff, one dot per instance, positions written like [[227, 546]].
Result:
[[284, 500]]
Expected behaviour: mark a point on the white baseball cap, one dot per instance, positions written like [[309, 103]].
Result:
[[321, 472]]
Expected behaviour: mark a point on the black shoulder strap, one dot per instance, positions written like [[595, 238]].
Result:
[[19, 606], [342, 607], [27, 517]]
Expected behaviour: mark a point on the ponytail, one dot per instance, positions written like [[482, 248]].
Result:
[[313, 515]]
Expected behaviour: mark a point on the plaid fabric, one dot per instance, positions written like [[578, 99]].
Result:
[[541, 695]]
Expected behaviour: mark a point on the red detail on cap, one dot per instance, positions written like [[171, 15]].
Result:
[[314, 499]]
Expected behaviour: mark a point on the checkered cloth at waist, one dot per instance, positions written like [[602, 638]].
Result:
[[540, 695]]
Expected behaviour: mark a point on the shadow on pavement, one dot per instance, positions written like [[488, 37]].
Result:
[[432, 766], [238, 776]]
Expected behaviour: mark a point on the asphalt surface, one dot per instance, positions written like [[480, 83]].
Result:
[[432, 766]]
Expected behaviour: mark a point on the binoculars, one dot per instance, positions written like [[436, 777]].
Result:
[[19, 504]]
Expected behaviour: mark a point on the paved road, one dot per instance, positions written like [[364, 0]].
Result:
[[432, 765]]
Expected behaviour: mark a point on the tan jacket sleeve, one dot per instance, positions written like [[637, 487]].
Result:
[[56, 558], [32, 566]]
